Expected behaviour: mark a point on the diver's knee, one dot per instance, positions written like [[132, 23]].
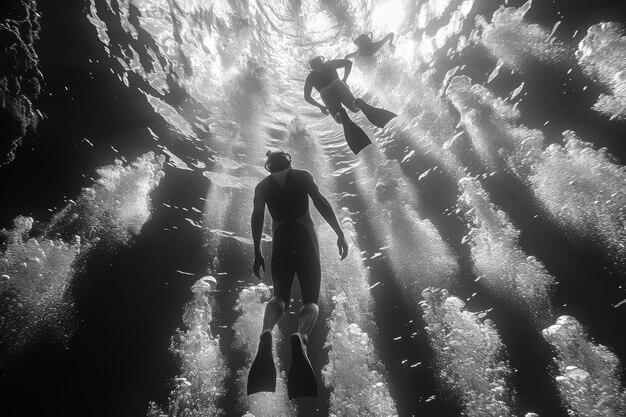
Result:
[[279, 302], [311, 306], [337, 117]]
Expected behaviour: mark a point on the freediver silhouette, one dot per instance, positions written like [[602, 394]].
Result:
[[295, 250], [334, 92], [367, 47]]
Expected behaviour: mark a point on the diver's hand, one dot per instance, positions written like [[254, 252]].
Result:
[[324, 110], [259, 262], [343, 246]]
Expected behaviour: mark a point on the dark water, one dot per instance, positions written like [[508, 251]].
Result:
[[110, 354]]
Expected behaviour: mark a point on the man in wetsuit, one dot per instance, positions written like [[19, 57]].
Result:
[[295, 250], [367, 47], [332, 90], [334, 93]]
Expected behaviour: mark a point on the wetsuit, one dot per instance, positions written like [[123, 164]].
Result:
[[333, 91], [295, 249]]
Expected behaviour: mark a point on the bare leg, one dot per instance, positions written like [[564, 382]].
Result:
[[306, 320], [273, 311]]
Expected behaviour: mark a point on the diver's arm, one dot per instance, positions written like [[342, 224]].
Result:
[[351, 55], [308, 88], [377, 45], [325, 209], [256, 223], [342, 63]]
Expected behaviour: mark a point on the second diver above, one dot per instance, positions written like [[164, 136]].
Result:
[[367, 47], [334, 93]]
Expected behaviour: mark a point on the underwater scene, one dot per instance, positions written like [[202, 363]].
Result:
[[465, 179]]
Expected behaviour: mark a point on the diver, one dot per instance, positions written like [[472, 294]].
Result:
[[334, 92], [366, 47], [295, 250]]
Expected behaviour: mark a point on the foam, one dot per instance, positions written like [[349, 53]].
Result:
[[602, 54], [468, 351], [519, 45], [37, 270], [201, 382], [35, 275], [418, 254], [117, 206], [352, 373], [497, 257], [589, 373], [583, 190]]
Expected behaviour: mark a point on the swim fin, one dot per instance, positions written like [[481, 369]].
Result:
[[301, 381], [378, 117], [357, 139], [262, 376]]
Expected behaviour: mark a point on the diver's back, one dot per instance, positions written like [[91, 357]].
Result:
[[287, 201]]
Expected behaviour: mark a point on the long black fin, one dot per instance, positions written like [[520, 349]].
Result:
[[378, 117], [357, 139], [262, 376], [301, 381]]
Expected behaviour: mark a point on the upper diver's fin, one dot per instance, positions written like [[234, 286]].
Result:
[[301, 381], [378, 117], [262, 376], [357, 139]]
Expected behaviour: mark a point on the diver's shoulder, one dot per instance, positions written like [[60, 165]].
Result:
[[302, 175], [263, 183], [303, 172]]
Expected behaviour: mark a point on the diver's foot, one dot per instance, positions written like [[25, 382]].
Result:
[[262, 376], [301, 381]]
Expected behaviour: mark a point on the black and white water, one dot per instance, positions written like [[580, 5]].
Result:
[[487, 222]]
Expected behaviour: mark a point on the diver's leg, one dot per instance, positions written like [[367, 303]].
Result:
[[306, 320], [331, 101], [309, 275], [283, 272], [273, 312], [342, 91], [301, 380], [262, 374]]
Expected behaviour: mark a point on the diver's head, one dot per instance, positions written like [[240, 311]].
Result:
[[316, 63], [363, 40], [277, 161]]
